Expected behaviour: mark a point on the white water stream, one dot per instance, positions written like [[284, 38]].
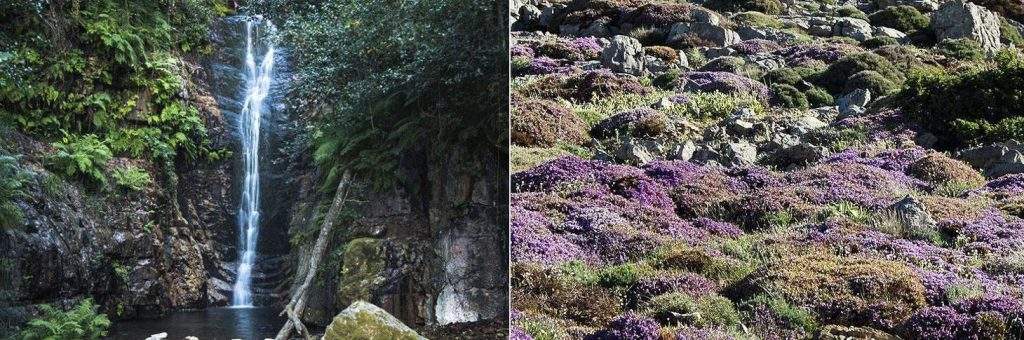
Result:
[[257, 86]]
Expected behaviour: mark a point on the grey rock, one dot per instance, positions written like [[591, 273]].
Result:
[[684, 151], [546, 15], [857, 29], [741, 153], [529, 15], [853, 103], [347, 322], [821, 27], [926, 139], [996, 159], [882, 31], [767, 61], [799, 154], [958, 19], [633, 153], [624, 55], [719, 36], [912, 214], [805, 124]]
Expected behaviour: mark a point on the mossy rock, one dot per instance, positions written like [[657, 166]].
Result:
[[363, 263], [364, 321]]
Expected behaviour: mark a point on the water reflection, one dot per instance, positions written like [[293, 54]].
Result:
[[213, 323]]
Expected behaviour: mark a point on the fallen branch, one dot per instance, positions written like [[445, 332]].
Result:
[[298, 301]]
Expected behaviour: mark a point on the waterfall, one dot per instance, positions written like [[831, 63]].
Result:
[[257, 86]]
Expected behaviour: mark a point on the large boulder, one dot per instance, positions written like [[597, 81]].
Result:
[[707, 32], [363, 320], [857, 29], [959, 19], [624, 55]]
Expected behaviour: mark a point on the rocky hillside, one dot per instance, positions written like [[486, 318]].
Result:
[[767, 169]]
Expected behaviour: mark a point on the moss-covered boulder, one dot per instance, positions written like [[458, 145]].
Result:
[[363, 264], [364, 321]]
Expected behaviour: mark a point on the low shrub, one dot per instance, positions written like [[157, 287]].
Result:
[[642, 122], [876, 42], [969, 107], [544, 291], [786, 76], [871, 80], [81, 322], [904, 18], [818, 97], [836, 75], [544, 123], [962, 49], [789, 97], [771, 7], [1010, 34], [851, 12], [941, 169], [756, 19]]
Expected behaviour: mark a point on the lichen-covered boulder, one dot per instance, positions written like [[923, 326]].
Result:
[[363, 264], [363, 320], [624, 55], [960, 19]]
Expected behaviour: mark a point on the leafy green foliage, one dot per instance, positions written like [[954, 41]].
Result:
[[394, 68], [961, 49], [969, 107], [771, 7], [132, 177], [788, 96], [904, 18], [81, 322], [12, 182], [108, 68], [851, 12], [83, 156]]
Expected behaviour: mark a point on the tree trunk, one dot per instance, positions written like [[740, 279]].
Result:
[[298, 301]]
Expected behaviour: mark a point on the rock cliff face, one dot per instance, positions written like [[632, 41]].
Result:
[[430, 252], [139, 254]]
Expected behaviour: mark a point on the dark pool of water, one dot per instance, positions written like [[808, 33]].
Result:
[[208, 324]]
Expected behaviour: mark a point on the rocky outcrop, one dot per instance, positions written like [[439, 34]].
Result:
[[423, 251], [363, 320], [960, 19], [624, 55]]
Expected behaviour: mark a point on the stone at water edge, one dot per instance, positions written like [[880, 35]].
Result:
[[363, 320], [158, 336]]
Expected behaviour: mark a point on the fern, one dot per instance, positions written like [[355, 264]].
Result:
[[81, 322], [81, 156], [12, 182], [132, 177]]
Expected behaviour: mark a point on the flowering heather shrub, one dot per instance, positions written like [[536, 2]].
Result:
[[816, 54], [629, 326], [857, 183], [586, 86], [702, 333], [718, 228], [691, 284], [895, 160], [723, 82], [544, 123], [854, 291], [883, 125], [545, 65], [935, 323], [521, 51], [538, 290], [643, 122], [759, 209], [943, 208], [576, 49], [992, 232], [660, 14], [941, 169], [516, 333], [1006, 186], [756, 46], [533, 240]]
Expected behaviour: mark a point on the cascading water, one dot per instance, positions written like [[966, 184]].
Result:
[[257, 87]]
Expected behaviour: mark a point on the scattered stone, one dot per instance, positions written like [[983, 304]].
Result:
[[157, 336], [624, 55], [633, 153], [363, 320], [742, 153], [854, 103], [996, 159], [684, 151], [959, 19], [805, 124], [717, 35], [837, 332], [913, 215], [858, 29], [882, 31]]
